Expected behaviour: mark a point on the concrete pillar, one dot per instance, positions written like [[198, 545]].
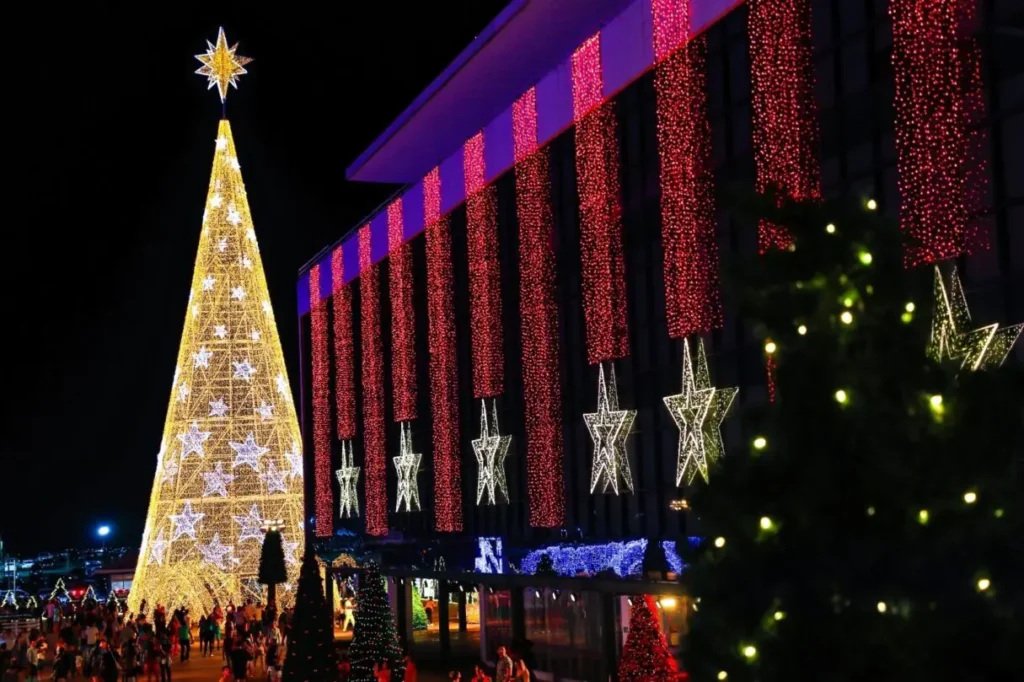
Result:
[[462, 610]]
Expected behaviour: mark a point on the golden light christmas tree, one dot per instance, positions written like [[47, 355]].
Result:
[[230, 457]]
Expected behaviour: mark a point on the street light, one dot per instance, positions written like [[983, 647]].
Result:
[[103, 531]]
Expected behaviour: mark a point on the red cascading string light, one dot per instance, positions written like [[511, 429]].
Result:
[[542, 389], [444, 385], [344, 352], [937, 73], [403, 320], [484, 273], [321, 364], [785, 128], [597, 172], [692, 298], [374, 447]]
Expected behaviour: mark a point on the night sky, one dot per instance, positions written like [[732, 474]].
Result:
[[108, 165]]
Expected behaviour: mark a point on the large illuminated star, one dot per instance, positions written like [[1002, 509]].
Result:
[[698, 412], [192, 441], [608, 428], [217, 481], [348, 476], [216, 552], [274, 479], [491, 448], [952, 337], [185, 522], [407, 464], [157, 549], [221, 65], [294, 457], [289, 551], [252, 525], [248, 453]]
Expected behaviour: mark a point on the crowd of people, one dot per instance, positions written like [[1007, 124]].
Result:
[[98, 642]]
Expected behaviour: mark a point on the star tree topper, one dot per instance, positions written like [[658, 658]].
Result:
[[221, 65], [698, 412], [491, 448], [952, 337], [348, 476], [407, 464], [608, 428]]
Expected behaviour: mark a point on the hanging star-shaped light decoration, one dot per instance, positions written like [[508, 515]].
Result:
[[698, 413], [252, 525], [952, 337], [221, 65], [275, 479], [407, 464], [217, 481], [185, 522], [348, 476], [491, 448], [248, 453], [192, 441], [215, 552], [608, 428], [157, 549]]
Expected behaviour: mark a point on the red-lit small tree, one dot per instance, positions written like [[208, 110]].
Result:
[[646, 658]]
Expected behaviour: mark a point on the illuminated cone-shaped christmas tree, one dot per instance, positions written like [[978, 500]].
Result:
[[230, 459], [645, 657]]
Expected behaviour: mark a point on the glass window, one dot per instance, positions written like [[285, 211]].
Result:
[[565, 631]]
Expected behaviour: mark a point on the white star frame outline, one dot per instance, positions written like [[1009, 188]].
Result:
[[491, 449], [698, 412], [609, 427], [407, 464], [348, 477]]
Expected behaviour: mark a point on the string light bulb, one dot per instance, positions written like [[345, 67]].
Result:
[[871, 204], [983, 584], [770, 347], [923, 516], [760, 443], [841, 397], [970, 497], [722, 675], [882, 607], [865, 257], [719, 542], [766, 523], [801, 330], [779, 615], [830, 228], [846, 317], [750, 651]]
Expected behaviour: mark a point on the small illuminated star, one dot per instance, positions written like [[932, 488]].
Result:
[[208, 282], [238, 293], [216, 200], [243, 370], [206, 215], [221, 65], [267, 308], [218, 408], [255, 335], [282, 386], [251, 525], [251, 234], [294, 457], [192, 441], [201, 358], [245, 262], [220, 331], [222, 245], [185, 522], [195, 311], [233, 162], [222, 143], [265, 411], [183, 392], [217, 481], [215, 552], [275, 479], [248, 453], [157, 549], [234, 217], [289, 551], [170, 470]]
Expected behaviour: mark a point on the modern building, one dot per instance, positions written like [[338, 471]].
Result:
[[521, 275]]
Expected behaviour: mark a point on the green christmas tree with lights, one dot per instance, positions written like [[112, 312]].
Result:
[[645, 656], [870, 526], [310, 651], [419, 614], [375, 639]]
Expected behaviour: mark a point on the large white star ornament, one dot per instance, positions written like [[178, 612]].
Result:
[[217, 481], [219, 408], [275, 479], [216, 200], [243, 370], [294, 458], [216, 552], [407, 464], [348, 476], [170, 470], [201, 358], [608, 428], [252, 525], [222, 143], [248, 453], [698, 413], [192, 441], [282, 386], [157, 549], [491, 448], [234, 217], [185, 522], [208, 282]]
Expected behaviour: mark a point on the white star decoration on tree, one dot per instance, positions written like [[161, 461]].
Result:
[[255, 335], [248, 453], [698, 412], [282, 386], [183, 392], [220, 331], [233, 162], [348, 476], [267, 308], [608, 428], [252, 525], [243, 370], [201, 358], [222, 245], [491, 448], [245, 262], [407, 464], [265, 411], [216, 552], [294, 457], [218, 408], [192, 441], [222, 143], [234, 217], [251, 234], [170, 470], [238, 293], [208, 282], [289, 551], [275, 479], [157, 549], [185, 522], [216, 200], [217, 481]]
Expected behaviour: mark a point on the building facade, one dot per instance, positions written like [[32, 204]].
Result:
[[521, 275]]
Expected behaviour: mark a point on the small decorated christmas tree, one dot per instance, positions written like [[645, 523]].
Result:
[[419, 614], [645, 657], [375, 639], [311, 640], [272, 566]]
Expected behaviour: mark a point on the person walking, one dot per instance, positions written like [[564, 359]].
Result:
[[185, 641], [503, 670]]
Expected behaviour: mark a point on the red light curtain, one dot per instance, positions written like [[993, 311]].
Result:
[[344, 351], [403, 320], [374, 448], [321, 364]]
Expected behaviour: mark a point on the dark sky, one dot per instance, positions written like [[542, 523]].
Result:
[[106, 166]]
